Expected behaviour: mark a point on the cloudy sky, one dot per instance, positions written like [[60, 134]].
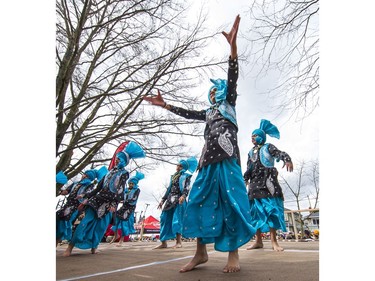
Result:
[[345, 141], [298, 139]]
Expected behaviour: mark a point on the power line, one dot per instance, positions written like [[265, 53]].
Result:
[[303, 199]]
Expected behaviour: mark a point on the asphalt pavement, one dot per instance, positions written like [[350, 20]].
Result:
[[137, 261]]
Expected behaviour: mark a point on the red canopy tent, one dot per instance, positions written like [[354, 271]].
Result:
[[151, 225]]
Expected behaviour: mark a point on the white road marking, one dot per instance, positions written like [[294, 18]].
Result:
[[128, 268]]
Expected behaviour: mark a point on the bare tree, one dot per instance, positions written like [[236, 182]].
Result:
[[304, 182], [110, 54], [285, 41], [314, 179], [296, 184]]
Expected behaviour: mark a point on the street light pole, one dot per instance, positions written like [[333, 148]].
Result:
[[143, 222], [135, 217]]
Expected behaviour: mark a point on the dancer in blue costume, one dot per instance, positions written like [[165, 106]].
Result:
[[218, 210], [174, 203], [265, 193], [125, 214], [104, 201], [77, 191]]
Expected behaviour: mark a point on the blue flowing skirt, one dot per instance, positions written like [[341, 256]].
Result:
[[218, 209], [91, 230], [267, 213], [64, 228], [126, 226], [171, 222]]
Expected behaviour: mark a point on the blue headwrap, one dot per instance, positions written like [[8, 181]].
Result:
[[61, 178], [189, 164], [221, 90], [85, 182], [135, 179], [226, 109], [94, 174], [124, 160], [266, 127], [91, 174]]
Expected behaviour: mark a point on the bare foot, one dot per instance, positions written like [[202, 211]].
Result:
[[256, 245], [198, 259], [161, 246], [233, 264], [178, 245], [276, 247], [93, 251], [68, 251], [119, 245]]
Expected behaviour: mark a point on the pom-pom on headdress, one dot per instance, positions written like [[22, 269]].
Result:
[[134, 150], [266, 127], [101, 173], [189, 164]]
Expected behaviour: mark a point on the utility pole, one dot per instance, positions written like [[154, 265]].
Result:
[[145, 210], [143, 222], [135, 217], [309, 201]]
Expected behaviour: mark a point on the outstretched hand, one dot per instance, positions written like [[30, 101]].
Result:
[[289, 166], [158, 100], [232, 36]]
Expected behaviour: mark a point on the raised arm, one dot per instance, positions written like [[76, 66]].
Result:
[[233, 62], [232, 37], [188, 114]]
